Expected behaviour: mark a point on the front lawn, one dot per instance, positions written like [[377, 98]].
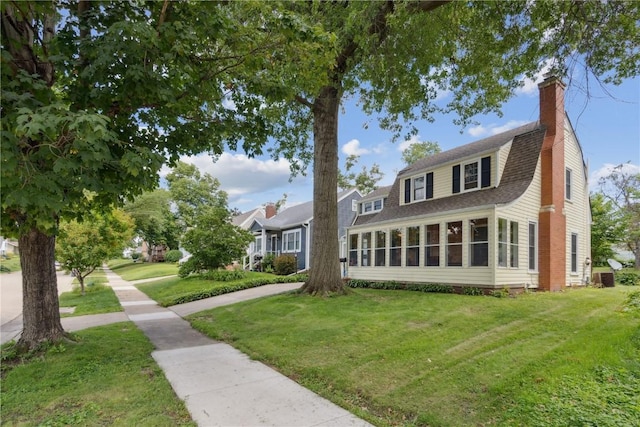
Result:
[[142, 270], [98, 298], [9, 264], [408, 358], [176, 290], [106, 378]]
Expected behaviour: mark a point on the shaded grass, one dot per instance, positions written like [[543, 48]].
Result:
[[178, 290], [97, 299], [401, 358], [143, 270], [107, 377]]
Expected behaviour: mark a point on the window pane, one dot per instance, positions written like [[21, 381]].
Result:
[[513, 250], [471, 176], [381, 243], [418, 188], [432, 248], [413, 248], [395, 253], [502, 242], [574, 253], [454, 244], [377, 205], [532, 246], [479, 242], [366, 249], [353, 249]]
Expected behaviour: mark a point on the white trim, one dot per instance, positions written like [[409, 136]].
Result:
[[297, 243]]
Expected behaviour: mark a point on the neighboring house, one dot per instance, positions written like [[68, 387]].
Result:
[[508, 211], [8, 247], [289, 231]]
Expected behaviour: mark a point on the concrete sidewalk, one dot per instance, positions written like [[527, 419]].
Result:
[[220, 385]]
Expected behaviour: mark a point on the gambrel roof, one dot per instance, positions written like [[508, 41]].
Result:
[[516, 177]]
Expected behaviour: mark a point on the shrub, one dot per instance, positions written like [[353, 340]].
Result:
[[268, 263], [632, 302], [472, 291], [628, 278], [173, 255], [135, 256], [224, 275], [285, 265], [500, 293]]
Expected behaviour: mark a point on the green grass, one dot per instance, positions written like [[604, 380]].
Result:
[[106, 378], [97, 299], [176, 290], [142, 270], [405, 358], [12, 263]]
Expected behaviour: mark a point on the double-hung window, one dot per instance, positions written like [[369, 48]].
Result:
[[381, 248], [353, 250], [574, 253], [291, 241], [395, 251], [418, 188], [479, 242], [432, 245], [568, 178], [413, 246], [533, 246], [454, 244], [502, 242], [471, 176], [366, 250]]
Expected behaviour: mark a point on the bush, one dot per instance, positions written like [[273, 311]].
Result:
[[628, 278], [268, 263], [224, 275], [135, 256], [173, 255], [285, 265], [393, 285], [472, 291]]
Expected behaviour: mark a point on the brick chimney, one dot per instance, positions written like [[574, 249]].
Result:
[[552, 235], [270, 210]]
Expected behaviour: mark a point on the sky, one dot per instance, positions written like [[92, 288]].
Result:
[[606, 121]]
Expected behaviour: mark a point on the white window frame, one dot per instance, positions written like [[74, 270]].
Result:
[[371, 204], [503, 244], [535, 246], [573, 255], [478, 186], [568, 183], [297, 240]]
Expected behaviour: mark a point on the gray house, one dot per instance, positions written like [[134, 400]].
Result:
[[289, 231]]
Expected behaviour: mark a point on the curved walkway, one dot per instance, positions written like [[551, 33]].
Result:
[[220, 385]]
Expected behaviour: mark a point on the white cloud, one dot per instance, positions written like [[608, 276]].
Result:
[[352, 148], [606, 169], [243, 178], [493, 129]]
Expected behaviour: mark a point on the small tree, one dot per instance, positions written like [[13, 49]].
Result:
[[622, 188], [365, 181], [418, 151], [213, 241], [82, 246], [606, 229]]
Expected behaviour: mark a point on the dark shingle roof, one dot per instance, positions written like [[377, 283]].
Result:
[[516, 177], [473, 149], [295, 215]]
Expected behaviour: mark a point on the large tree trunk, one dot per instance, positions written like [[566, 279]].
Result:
[[40, 307], [325, 265]]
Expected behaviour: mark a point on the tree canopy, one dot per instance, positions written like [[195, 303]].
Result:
[[155, 223], [419, 150], [365, 181], [83, 246]]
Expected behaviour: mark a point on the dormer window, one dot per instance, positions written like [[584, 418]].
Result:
[[372, 206], [471, 176], [418, 188]]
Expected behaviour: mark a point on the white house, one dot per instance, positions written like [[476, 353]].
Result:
[[508, 211]]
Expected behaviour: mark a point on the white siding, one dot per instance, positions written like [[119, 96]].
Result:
[[501, 161], [577, 210], [522, 211]]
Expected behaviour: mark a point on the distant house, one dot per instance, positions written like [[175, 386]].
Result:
[[289, 231], [8, 247], [508, 211]]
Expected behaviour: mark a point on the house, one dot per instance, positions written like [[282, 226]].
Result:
[[289, 231], [508, 211]]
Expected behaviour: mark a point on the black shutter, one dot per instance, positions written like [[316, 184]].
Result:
[[485, 178], [407, 190], [429, 183], [456, 179]]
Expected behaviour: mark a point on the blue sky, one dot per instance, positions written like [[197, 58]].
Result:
[[607, 123]]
